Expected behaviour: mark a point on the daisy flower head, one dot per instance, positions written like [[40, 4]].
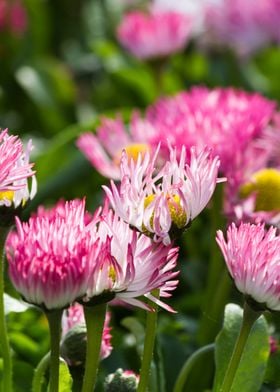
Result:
[[104, 149], [13, 17], [15, 170], [155, 34], [126, 265], [163, 203], [48, 257], [244, 25], [225, 119], [257, 199], [252, 257]]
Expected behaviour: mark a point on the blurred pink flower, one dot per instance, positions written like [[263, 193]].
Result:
[[13, 16], [127, 265], [3, 13], [273, 342], [74, 315], [225, 119], [163, 204], [49, 257], [154, 35], [104, 149], [244, 25], [18, 18], [15, 169], [252, 256]]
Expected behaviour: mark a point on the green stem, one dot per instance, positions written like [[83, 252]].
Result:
[[54, 319], [249, 318], [95, 318], [5, 347], [151, 327], [186, 369], [40, 372]]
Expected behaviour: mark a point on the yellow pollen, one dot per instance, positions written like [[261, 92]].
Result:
[[132, 151], [112, 273], [266, 184], [8, 195], [177, 212]]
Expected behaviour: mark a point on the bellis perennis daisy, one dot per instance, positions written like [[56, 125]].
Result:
[[15, 169], [126, 265], [252, 256], [155, 34], [48, 256], [162, 204], [104, 149]]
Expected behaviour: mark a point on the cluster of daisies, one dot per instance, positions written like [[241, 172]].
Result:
[[164, 170], [167, 163]]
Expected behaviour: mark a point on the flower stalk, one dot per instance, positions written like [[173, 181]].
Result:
[[5, 347], [95, 319], [54, 320], [249, 318], [151, 328], [40, 372]]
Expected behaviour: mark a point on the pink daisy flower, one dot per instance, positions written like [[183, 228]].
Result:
[[15, 170], [252, 257], [48, 257], [13, 16], [18, 18], [227, 120], [154, 35], [127, 265], [104, 149], [74, 316], [244, 25], [163, 204]]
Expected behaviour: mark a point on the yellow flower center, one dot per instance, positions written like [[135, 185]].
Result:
[[132, 151], [112, 273], [7, 195], [177, 213], [266, 184]]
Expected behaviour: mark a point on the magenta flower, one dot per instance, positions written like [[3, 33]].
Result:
[[227, 120], [13, 16], [163, 204], [18, 18], [15, 170], [104, 150], [244, 25], [48, 257], [127, 265], [252, 257], [154, 35], [74, 316]]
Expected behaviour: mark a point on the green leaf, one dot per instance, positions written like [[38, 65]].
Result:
[[24, 346], [251, 370], [137, 330], [65, 379], [23, 373]]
